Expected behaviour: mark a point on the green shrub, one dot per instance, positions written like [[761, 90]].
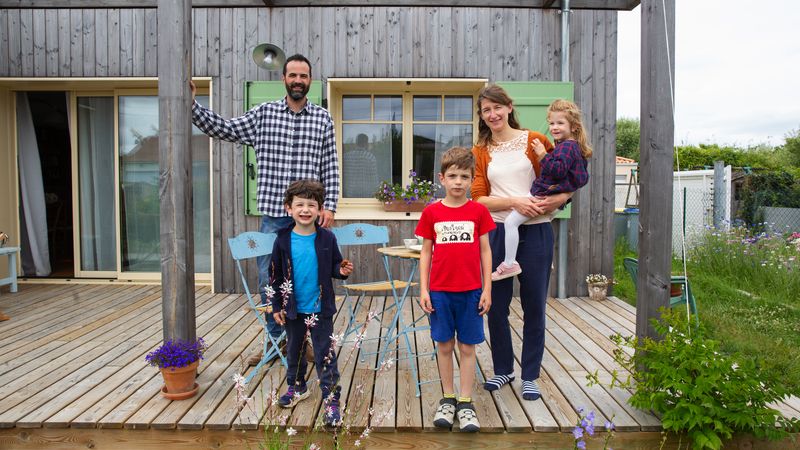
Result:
[[628, 138], [696, 389], [768, 189]]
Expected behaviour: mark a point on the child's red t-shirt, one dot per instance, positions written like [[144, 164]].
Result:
[[455, 232]]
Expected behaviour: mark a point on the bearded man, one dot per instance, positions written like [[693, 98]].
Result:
[[293, 140]]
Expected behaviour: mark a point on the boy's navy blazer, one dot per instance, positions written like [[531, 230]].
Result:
[[328, 260]]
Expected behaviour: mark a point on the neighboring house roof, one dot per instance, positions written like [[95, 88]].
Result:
[[621, 160]]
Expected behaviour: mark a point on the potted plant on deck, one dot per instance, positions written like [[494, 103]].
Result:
[[598, 286], [178, 361], [413, 197]]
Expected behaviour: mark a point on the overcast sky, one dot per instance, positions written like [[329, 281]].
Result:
[[737, 70]]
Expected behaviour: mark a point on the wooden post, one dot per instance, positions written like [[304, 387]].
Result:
[[656, 144], [719, 193], [175, 165]]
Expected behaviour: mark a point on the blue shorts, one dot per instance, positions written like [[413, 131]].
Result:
[[456, 312]]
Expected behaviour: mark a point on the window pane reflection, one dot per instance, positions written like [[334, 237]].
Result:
[[388, 107], [371, 153], [458, 108], [139, 202], [427, 108], [431, 141], [356, 107]]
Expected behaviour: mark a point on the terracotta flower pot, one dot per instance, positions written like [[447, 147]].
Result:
[[675, 290], [401, 206], [598, 291], [179, 382]]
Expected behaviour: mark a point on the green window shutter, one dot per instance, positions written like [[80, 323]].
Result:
[[531, 99], [256, 93]]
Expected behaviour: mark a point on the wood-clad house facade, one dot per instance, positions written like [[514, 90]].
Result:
[[361, 51]]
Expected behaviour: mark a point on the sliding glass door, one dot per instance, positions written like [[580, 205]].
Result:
[[118, 189]]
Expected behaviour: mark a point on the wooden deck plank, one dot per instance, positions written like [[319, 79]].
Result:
[[27, 357], [384, 395], [42, 321], [53, 377], [100, 380], [162, 413], [559, 399], [578, 367], [126, 366], [543, 413], [46, 402], [220, 373], [123, 411], [409, 408], [29, 297], [596, 323], [72, 309], [228, 410], [307, 414], [359, 401], [428, 370], [485, 408], [608, 309], [622, 304], [589, 346]]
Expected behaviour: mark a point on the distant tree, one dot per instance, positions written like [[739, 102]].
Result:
[[792, 147], [628, 138]]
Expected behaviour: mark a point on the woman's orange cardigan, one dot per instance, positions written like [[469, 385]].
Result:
[[481, 186]]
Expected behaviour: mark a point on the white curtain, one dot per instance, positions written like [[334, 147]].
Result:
[[96, 180], [36, 254]]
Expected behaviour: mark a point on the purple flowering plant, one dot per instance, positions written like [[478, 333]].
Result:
[[176, 353], [417, 190]]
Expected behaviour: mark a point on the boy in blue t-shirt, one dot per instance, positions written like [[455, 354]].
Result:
[[304, 259]]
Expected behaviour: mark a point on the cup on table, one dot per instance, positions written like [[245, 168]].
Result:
[[410, 242]]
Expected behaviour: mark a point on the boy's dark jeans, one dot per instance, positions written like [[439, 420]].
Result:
[[325, 358]]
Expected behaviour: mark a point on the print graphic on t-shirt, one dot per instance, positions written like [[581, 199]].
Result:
[[455, 232]]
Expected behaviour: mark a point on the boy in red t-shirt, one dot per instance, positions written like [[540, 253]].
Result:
[[455, 281]]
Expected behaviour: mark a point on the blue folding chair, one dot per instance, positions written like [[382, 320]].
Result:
[[252, 244], [366, 234]]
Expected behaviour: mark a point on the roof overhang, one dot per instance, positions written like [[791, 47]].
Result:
[[621, 5]]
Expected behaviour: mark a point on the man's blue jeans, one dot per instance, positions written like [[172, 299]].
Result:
[[269, 224]]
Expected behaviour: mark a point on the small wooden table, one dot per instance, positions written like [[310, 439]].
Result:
[[12, 267], [398, 329]]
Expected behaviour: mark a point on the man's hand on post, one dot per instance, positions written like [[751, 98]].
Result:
[[193, 88]]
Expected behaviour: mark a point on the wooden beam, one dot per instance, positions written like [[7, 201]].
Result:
[[656, 144], [175, 165], [620, 5]]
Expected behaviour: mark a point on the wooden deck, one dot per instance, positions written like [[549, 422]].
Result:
[[72, 372]]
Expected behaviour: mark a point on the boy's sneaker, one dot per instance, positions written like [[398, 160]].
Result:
[[445, 413], [293, 396], [333, 417], [504, 271], [467, 419]]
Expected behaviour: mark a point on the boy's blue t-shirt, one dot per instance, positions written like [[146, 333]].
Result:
[[306, 273]]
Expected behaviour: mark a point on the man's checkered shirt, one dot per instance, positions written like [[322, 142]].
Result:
[[289, 146]]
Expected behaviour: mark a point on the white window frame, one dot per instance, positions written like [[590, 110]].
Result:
[[361, 208]]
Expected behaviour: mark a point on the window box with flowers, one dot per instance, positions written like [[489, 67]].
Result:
[[178, 361], [414, 197]]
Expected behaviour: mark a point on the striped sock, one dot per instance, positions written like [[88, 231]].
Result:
[[464, 399], [530, 390], [450, 395], [497, 381]]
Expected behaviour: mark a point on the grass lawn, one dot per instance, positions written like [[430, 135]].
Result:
[[747, 289]]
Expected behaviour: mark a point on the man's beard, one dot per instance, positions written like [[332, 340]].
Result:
[[296, 95]]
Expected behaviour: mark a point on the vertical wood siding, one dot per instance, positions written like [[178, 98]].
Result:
[[498, 44]]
